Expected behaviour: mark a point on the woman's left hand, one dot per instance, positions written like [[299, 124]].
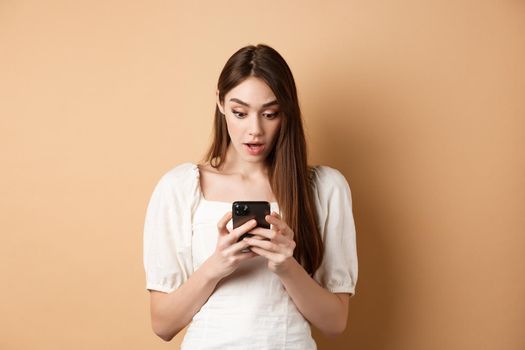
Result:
[[276, 244]]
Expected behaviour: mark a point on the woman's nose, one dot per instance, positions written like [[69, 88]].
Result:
[[255, 127]]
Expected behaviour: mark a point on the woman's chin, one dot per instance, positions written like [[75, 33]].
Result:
[[253, 159]]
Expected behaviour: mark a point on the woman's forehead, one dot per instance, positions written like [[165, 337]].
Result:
[[252, 92]]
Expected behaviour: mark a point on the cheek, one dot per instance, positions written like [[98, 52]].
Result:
[[234, 129], [275, 128]]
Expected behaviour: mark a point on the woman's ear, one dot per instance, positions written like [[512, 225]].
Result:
[[219, 102]]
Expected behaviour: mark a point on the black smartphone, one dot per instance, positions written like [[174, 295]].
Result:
[[244, 211]]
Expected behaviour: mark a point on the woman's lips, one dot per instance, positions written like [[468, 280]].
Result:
[[254, 149]]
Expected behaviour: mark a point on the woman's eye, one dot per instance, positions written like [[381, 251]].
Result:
[[271, 115], [238, 114]]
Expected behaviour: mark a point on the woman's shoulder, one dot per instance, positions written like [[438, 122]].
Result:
[[181, 170], [326, 175], [328, 180], [180, 176]]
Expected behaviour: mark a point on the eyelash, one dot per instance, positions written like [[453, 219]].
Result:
[[267, 115]]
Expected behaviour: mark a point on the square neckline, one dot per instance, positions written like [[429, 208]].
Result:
[[201, 193]]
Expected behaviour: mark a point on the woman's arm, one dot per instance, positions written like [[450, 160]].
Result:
[[327, 311], [171, 312]]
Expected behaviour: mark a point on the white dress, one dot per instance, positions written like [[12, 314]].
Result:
[[249, 309]]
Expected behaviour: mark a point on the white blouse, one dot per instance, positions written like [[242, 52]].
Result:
[[249, 308]]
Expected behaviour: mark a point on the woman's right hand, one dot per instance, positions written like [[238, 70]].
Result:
[[228, 256]]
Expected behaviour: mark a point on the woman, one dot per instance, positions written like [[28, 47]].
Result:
[[299, 272]]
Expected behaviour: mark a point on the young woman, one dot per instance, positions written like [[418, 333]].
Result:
[[262, 292]]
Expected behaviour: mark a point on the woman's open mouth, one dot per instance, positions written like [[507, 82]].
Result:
[[254, 149]]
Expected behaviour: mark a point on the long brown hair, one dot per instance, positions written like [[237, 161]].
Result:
[[289, 173]]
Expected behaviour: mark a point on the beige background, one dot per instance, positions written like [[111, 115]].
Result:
[[420, 104]]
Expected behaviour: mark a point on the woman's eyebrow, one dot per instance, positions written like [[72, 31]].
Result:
[[274, 102]]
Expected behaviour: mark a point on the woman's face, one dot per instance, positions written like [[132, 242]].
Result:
[[253, 119]]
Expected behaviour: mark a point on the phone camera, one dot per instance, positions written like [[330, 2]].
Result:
[[240, 209]]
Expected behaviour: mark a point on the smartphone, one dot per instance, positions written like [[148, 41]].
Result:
[[243, 212]]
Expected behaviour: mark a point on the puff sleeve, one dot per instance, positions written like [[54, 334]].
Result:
[[339, 269], [167, 233]]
